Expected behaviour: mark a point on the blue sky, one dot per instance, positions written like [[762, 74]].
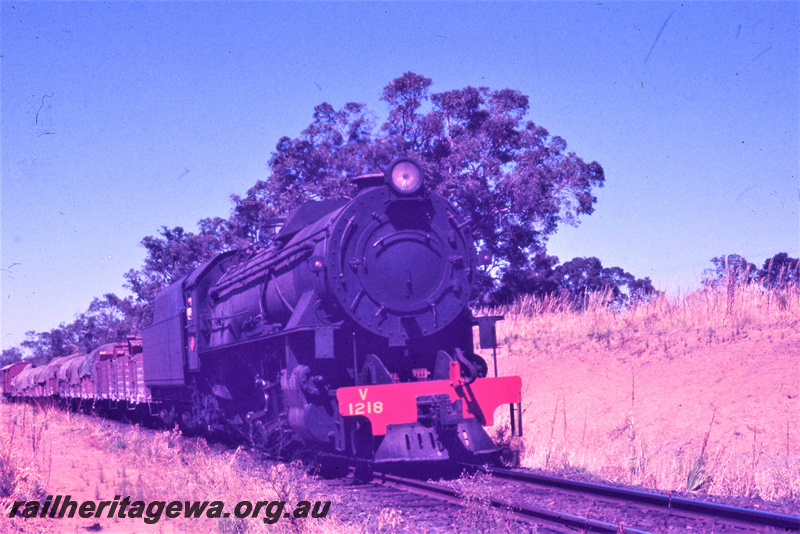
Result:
[[118, 118]]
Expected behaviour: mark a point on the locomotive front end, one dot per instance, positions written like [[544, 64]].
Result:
[[401, 264]]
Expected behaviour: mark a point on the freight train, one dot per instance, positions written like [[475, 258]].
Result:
[[351, 335]]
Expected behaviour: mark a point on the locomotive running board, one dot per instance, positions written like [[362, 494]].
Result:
[[392, 404]]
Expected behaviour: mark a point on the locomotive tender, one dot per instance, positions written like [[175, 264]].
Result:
[[351, 334]]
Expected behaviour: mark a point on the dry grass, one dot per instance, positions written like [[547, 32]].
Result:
[[477, 491], [25, 465], [681, 392], [63, 453], [111, 459], [19, 479], [711, 311]]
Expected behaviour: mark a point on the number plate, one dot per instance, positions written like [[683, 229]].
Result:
[[391, 404]]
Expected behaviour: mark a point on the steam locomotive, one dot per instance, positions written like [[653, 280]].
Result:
[[351, 335]]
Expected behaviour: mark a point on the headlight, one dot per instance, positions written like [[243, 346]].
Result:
[[406, 177]]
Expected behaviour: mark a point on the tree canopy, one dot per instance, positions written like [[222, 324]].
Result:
[[175, 254], [575, 280], [106, 320], [12, 355], [731, 268], [508, 175], [779, 271]]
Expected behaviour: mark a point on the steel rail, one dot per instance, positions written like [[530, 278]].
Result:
[[529, 514], [744, 515]]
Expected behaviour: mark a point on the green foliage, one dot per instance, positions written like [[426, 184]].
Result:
[[175, 254], [11, 355], [780, 271], [44, 346], [731, 268], [106, 320], [576, 279], [582, 276]]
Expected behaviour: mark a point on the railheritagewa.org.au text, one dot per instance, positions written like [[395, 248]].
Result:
[[61, 506]]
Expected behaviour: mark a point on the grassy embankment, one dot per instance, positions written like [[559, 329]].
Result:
[[699, 391], [50, 452]]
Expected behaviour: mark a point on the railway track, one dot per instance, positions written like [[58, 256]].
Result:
[[659, 503], [560, 505], [553, 521]]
